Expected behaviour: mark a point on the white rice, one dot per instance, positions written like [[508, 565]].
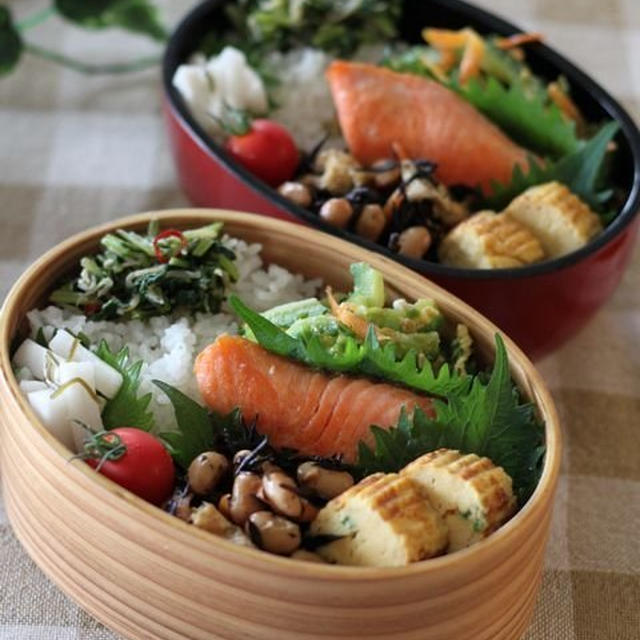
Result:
[[305, 105], [304, 101], [168, 345]]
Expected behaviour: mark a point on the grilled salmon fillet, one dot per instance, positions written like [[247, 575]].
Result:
[[298, 407], [378, 107]]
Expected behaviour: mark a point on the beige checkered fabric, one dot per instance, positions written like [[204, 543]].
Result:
[[77, 151]]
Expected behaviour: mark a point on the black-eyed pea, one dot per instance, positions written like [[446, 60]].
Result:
[[325, 483], [206, 471], [414, 242], [281, 493], [297, 193], [337, 212], [244, 501], [371, 222], [273, 533]]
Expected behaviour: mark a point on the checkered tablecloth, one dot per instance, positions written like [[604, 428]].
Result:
[[76, 151]]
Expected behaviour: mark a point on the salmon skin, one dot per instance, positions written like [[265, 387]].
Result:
[[378, 107], [295, 406]]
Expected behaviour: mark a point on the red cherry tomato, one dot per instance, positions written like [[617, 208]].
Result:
[[267, 150], [144, 467]]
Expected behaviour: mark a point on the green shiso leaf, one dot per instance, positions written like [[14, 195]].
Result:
[[487, 420], [195, 432], [351, 356], [199, 430], [529, 119], [269, 335], [11, 44], [126, 408], [138, 16], [513, 99], [579, 171]]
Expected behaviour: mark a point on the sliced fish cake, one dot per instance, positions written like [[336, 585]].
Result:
[[385, 520], [559, 219], [472, 495], [488, 240]]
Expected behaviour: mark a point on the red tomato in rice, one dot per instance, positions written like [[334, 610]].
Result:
[[267, 150], [145, 468]]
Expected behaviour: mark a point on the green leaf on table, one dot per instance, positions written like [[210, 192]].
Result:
[[195, 433], [579, 171], [138, 16], [11, 44], [126, 408], [489, 420]]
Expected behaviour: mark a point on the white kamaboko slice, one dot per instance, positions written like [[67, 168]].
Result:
[[28, 386], [194, 86], [34, 357], [107, 379], [54, 413], [85, 371], [77, 386]]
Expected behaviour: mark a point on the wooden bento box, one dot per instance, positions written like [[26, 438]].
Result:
[[147, 574]]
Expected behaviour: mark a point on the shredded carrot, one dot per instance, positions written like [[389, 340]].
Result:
[[472, 57], [564, 103], [445, 38], [449, 42], [347, 317], [518, 40], [448, 59]]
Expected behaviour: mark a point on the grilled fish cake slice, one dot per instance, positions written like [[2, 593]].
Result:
[[561, 221], [385, 520], [472, 495], [488, 240]]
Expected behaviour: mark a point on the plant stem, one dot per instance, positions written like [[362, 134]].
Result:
[[35, 19], [83, 67]]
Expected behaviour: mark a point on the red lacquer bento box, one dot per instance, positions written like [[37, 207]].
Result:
[[540, 306]]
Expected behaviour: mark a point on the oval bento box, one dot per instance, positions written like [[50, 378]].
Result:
[[540, 305], [147, 574]]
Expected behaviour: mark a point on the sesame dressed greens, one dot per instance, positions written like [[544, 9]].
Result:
[[140, 276], [338, 27]]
